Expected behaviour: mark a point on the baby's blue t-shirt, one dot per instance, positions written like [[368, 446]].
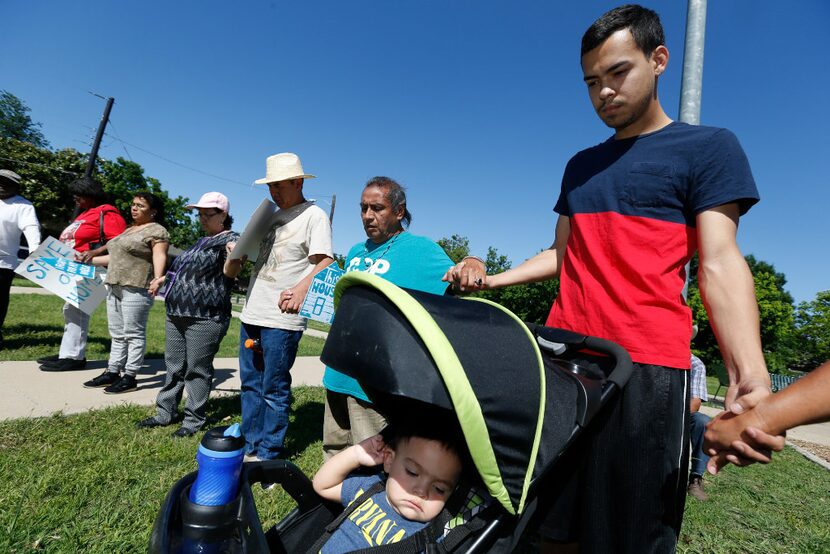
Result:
[[373, 523]]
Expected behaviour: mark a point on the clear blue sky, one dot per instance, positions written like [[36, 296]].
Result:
[[474, 105]]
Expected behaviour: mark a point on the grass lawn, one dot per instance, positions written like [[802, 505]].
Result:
[[19, 281], [93, 483], [34, 327]]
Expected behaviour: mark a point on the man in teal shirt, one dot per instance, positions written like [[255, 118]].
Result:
[[409, 261]]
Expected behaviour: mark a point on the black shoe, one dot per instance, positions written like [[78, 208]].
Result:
[[125, 384], [64, 364], [149, 423], [48, 359], [182, 432], [104, 380]]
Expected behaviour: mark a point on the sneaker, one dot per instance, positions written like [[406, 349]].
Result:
[[696, 488], [48, 359], [104, 380], [64, 364], [125, 384], [182, 432], [149, 423], [250, 458]]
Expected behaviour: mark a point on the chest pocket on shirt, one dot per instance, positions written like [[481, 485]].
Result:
[[651, 185]]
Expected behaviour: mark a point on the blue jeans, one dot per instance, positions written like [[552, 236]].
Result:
[[266, 388], [697, 427]]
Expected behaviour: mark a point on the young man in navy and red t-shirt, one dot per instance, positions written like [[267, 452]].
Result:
[[632, 212]]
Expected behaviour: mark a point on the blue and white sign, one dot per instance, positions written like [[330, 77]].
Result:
[[319, 302], [71, 267], [53, 267]]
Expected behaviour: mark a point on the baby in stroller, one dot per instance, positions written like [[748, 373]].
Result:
[[422, 464]]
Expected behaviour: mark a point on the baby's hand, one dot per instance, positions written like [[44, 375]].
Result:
[[370, 452]]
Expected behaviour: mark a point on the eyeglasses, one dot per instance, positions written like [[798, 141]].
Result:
[[207, 215]]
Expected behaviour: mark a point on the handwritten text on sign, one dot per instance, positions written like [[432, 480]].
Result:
[[319, 302]]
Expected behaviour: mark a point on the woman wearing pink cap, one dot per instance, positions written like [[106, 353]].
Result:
[[197, 296]]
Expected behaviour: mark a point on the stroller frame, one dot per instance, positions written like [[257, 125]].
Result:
[[572, 393]]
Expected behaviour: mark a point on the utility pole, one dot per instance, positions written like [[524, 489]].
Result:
[[691, 87], [103, 125]]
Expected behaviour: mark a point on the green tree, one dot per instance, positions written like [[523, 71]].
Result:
[[775, 309], [529, 302], [45, 175], [122, 179], [457, 247], [813, 332], [15, 122]]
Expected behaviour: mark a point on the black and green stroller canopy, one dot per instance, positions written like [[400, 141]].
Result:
[[471, 356], [520, 394]]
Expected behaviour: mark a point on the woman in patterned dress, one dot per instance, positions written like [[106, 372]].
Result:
[[198, 301]]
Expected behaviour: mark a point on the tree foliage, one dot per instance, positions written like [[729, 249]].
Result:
[[813, 332], [15, 122], [457, 247], [529, 302], [122, 179], [47, 173]]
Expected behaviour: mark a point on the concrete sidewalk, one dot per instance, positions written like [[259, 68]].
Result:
[[29, 392]]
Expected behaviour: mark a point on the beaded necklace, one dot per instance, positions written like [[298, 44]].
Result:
[[363, 259]]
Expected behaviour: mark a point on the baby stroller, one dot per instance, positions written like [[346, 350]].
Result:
[[521, 394]]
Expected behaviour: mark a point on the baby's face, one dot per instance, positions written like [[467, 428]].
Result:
[[422, 474]]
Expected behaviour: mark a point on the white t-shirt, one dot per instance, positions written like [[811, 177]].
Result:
[[17, 215], [282, 262]]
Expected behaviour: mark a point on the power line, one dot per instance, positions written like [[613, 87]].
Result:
[[168, 160], [124, 146]]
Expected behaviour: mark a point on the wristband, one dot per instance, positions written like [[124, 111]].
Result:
[[474, 258]]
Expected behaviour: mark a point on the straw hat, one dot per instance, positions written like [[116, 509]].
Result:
[[282, 167]]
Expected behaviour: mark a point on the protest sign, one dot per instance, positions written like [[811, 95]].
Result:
[[53, 267], [319, 301]]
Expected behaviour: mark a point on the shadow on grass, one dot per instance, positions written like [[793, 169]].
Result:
[[305, 429], [19, 336]]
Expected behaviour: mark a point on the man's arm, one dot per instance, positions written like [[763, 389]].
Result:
[[291, 300], [728, 293], [471, 275]]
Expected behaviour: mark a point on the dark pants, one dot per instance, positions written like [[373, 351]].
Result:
[[6, 276], [623, 486]]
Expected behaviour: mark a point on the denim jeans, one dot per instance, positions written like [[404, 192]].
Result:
[[266, 388], [697, 427]]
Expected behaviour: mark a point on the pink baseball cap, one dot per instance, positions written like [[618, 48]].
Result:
[[212, 200]]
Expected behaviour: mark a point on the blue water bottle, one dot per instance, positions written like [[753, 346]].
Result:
[[220, 463]]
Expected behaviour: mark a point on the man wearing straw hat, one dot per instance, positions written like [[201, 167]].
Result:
[[297, 247]]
